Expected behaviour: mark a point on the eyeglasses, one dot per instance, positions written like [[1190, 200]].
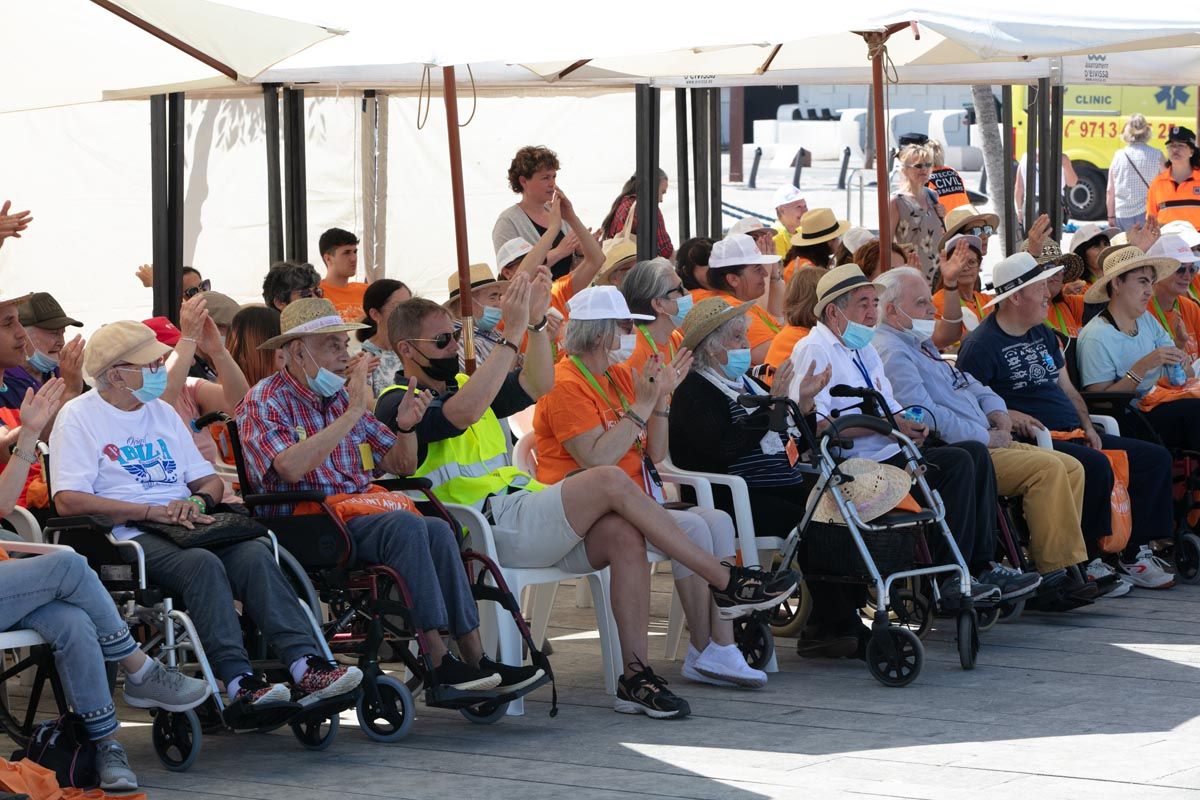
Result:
[[919, 165], [979, 230], [442, 340], [155, 367], [205, 286], [678, 291], [1187, 269], [313, 292]]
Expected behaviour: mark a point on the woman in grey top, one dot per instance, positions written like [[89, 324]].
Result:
[[533, 175], [1129, 176], [915, 209]]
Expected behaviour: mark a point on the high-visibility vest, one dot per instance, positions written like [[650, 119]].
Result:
[[473, 465]]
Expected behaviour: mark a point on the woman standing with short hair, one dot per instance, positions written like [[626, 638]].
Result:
[[1129, 176]]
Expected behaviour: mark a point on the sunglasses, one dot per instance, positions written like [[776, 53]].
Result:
[[979, 230], [442, 340], [1187, 269], [205, 286], [678, 291], [919, 165]]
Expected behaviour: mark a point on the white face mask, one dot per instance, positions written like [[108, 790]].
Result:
[[624, 350], [921, 329]]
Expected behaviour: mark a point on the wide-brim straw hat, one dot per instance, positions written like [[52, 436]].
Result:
[[308, 316], [839, 281], [819, 225], [617, 251], [481, 275], [876, 489], [1118, 260], [1052, 254], [706, 316], [963, 216]]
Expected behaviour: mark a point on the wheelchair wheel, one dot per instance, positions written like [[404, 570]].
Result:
[[968, 638], [390, 718], [899, 661], [317, 734], [790, 616], [1010, 612], [484, 713], [753, 637], [988, 617], [176, 739], [1187, 558]]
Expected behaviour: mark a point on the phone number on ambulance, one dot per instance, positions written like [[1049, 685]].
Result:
[[1090, 129]]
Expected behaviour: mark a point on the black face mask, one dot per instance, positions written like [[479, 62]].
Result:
[[441, 369]]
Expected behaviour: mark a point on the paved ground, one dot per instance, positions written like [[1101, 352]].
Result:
[[1100, 703]]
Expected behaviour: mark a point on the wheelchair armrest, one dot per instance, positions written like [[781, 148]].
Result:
[[404, 484], [1122, 398], [862, 421], [284, 498], [80, 522], [35, 548]]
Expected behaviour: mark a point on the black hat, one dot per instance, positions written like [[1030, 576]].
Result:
[[1178, 133], [913, 138], [41, 310]]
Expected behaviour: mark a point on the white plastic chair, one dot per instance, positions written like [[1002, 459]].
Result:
[[1102, 422], [25, 525]]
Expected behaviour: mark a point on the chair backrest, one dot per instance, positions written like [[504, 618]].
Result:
[[525, 454], [521, 423]]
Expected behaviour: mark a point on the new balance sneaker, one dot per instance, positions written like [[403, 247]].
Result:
[[112, 765], [726, 663], [643, 692], [1109, 582], [511, 678], [1147, 570], [167, 689], [322, 680], [1012, 582], [689, 670], [951, 591], [457, 675], [254, 690], [751, 589]]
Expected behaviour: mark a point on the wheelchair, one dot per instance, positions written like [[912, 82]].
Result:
[[370, 607]]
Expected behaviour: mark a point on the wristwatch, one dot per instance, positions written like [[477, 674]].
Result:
[[506, 343], [536, 327]]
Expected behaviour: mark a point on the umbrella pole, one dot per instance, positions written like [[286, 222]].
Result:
[[450, 97], [875, 42]]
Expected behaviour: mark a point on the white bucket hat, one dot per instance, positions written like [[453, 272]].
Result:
[[737, 250]]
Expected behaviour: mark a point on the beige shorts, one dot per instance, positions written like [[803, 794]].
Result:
[[532, 531]]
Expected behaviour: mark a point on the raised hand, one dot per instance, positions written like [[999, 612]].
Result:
[[1037, 235], [674, 372], [811, 384], [539, 296], [952, 267], [70, 365], [645, 382], [12, 224], [1145, 235], [359, 388], [145, 274], [412, 406], [514, 306], [38, 409], [210, 338], [555, 209], [192, 315]]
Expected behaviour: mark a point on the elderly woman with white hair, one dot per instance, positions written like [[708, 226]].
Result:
[[653, 289], [602, 412], [1133, 168]]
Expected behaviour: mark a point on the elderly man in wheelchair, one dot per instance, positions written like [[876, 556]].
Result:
[[122, 453]]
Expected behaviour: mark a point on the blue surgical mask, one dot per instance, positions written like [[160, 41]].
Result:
[[324, 383], [856, 336], [42, 362], [737, 363], [683, 306], [488, 319], [153, 385]]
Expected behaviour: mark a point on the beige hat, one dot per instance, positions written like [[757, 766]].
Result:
[[838, 281], [308, 316], [1118, 260], [876, 489], [125, 341], [964, 216], [819, 225], [617, 251], [706, 316], [1121, 238], [481, 275], [221, 307], [1052, 254]]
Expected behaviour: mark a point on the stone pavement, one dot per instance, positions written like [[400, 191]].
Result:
[[1099, 703]]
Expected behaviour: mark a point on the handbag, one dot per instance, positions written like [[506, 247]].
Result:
[[62, 745], [1122, 513], [227, 527]]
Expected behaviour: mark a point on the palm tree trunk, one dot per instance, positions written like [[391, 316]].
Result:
[[993, 150]]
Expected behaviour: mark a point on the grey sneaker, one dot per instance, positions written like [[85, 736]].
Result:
[[979, 591], [166, 689], [113, 767], [1012, 582]]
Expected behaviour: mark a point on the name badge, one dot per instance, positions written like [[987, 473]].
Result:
[[301, 434], [368, 458]]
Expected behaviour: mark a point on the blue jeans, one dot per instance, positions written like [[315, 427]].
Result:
[[60, 597], [424, 552], [1125, 223]]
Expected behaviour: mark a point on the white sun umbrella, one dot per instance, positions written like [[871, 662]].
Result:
[[62, 52]]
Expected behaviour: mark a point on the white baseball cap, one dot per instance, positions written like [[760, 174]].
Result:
[[856, 237], [1173, 246], [1086, 233], [1183, 229], [972, 241], [785, 194], [745, 225], [737, 250], [510, 251], [602, 302]]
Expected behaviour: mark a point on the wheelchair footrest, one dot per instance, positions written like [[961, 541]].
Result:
[[241, 717], [445, 697], [323, 709]]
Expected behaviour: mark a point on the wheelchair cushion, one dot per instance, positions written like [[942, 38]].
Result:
[[313, 539]]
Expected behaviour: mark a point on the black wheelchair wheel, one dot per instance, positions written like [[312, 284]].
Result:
[[176, 738], [317, 734], [790, 616], [968, 638], [753, 637], [484, 713], [988, 617], [390, 718], [1011, 611], [897, 662], [1187, 558]]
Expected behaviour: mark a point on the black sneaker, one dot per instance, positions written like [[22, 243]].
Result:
[[511, 678], [752, 589], [646, 693], [457, 675], [1011, 582]]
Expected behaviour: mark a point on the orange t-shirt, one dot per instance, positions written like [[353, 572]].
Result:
[[1189, 312], [1066, 316], [795, 264], [762, 326], [574, 407], [783, 344], [644, 349], [975, 305], [560, 293], [346, 299]]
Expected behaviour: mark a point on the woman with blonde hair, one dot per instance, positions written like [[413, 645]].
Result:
[[915, 208], [1133, 168]]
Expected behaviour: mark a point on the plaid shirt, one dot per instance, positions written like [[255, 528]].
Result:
[[666, 248], [278, 412]]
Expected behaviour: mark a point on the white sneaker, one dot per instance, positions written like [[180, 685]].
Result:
[[690, 672], [1148, 571], [726, 663], [1110, 582]]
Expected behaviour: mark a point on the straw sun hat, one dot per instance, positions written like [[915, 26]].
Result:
[[963, 216], [706, 316], [308, 316], [1120, 259], [819, 225], [838, 281], [876, 489], [481, 275], [1072, 264]]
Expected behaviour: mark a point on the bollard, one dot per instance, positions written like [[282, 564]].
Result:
[[800, 155], [983, 180], [754, 168], [845, 166]]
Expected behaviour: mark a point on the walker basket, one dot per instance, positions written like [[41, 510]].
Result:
[[829, 549]]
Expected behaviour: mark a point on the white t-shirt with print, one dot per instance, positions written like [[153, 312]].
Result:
[[142, 456]]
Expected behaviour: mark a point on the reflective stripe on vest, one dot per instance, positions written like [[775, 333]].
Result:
[[475, 464]]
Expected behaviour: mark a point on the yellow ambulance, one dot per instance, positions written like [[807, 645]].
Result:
[[1093, 117]]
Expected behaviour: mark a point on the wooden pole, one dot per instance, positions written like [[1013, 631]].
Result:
[[450, 97], [875, 41]]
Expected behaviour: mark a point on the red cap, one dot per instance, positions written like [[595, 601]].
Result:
[[164, 330]]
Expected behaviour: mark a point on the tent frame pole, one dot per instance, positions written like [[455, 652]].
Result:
[[700, 159], [166, 201], [716, 226], [1010, 213], [295, 184], [681, 164], [1054, 173], [274, 179], [646, 127], [1031, 148], [1044, 147], [466, 312]]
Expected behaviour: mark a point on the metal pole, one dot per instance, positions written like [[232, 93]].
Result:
[[1044, 148], [737, 131], [646, 128], [1031, 143], [1006, 131], [175, 145], [881, 176], [1054, 173], [681, 164], [274, 179], [450, 96], [295, 202], [158, 202], [716, 226], [700, 159]]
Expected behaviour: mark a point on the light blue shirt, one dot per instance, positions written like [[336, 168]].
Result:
[[1106, 354]]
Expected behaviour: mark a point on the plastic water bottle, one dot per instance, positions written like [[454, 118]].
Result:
[[1175, 374], [915, 415]]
